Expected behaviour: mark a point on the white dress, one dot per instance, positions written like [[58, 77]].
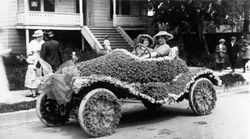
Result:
[[4, 84], [32, 73]]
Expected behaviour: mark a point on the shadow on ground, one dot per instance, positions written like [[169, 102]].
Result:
[[141, 116]]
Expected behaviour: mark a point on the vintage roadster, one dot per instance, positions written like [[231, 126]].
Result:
[[90, 90]]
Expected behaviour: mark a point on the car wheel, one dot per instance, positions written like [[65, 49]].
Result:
[[50, 112], [99, 112], [151, 106], [202, 97]]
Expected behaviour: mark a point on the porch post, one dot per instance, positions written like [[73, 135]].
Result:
[[26, 10], [27, 40], [81, 13], [114, 13]]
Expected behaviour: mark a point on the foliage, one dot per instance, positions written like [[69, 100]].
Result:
[[192, 16], [231, 79], [16, 67], [82, 55], [204, 61], [122, 65], [17, 106], [15, 70]]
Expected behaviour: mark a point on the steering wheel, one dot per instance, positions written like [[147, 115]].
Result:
[[144, 49]]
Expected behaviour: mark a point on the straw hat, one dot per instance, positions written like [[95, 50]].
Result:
[[246, 41], [141, 37], [165, 34], [38, 33], [222, 40], [233, 38]]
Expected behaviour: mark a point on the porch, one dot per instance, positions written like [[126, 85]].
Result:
[[51, 14], [34, 18]]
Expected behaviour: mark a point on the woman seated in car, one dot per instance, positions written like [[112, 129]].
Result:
[[161, 49]]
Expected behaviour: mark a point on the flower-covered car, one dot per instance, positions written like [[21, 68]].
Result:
[[90, 90]]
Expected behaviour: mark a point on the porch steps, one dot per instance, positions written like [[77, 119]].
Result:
[[117, 41]]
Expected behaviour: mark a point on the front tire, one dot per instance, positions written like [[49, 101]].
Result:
[[202, 97], [50, 112], [99, 112]]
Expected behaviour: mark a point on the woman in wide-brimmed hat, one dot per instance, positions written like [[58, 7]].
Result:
[[220, 55], [146, 40], [33, 55], [162, 48]]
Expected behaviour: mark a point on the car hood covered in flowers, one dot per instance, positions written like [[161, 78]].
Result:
[[157, 80]]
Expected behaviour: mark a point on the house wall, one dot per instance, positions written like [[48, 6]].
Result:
[[66, 6], [20, 4], [10, 36], [100, 11]]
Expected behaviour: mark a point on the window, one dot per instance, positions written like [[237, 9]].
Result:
[[49, 5], [35, 5], [125, 7]]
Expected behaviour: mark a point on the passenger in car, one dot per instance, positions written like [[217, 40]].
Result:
[[161, 49]]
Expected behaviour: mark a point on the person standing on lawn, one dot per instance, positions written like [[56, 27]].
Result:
[[232, 51], [50, 52], [245, 53], [220, 56], [34, 67]]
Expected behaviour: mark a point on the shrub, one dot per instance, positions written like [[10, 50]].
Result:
[[231, 79], [16, 69], [204, 61]]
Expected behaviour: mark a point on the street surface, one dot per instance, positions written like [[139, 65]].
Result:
[[230, 120]]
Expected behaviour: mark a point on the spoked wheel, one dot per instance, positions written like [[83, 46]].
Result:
[[50, 113], [202, 97], [151, 106], [99, 112]]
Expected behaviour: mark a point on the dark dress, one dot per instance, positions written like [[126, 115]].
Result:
[[51, 54]]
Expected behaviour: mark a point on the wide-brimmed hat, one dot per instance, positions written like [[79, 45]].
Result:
[[165, 34], [222, 40], [141, 37], [233, 38], [50, 34], [246, 41], [38, 33]]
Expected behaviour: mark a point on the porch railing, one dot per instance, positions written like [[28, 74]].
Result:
[[47, 18], [128, 20]]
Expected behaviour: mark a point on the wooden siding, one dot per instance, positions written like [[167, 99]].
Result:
[[10, 36], [4, 23], [66, 6], [20, 5], [101, 13], [17, 40]]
